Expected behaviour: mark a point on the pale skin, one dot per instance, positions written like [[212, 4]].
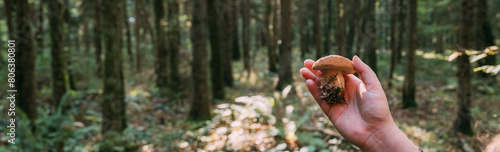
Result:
[[365, 120]]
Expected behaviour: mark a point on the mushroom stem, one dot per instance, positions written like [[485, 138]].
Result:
[[328, 75]]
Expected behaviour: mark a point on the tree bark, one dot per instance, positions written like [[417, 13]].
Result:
[[9, 11], [128, 36], [113, 104], [401, 30], [201, 107], [464, 92], [316, 29], [58, 62], [302, 27], [409, 83], [227, 10], [285, 70], [352, 21], [215, 45], [138, 36], [394, 40], [371, 33], [39, 32], [486, 35], [25, 53], [341, 35], [97, 37], [271, 42], [245, 15], [161, 50], [236, 36], [174, 40], [328, 27]]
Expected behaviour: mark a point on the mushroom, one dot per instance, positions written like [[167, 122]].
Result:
[[332, 82]]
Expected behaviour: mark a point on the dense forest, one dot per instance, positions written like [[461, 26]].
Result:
[[223, 75]]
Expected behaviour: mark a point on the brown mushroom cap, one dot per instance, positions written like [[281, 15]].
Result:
[[334, 62]]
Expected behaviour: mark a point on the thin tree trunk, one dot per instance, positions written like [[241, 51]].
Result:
[[371, 55], [138, 35], [39, 32], [328, 27], [394, 40], [86, 37], [245, 15], [227, 40], [285, 70], [341, 35], [174, 39], [201, 107], [271, 47], [161, 50], [128, 35], [487, 38], [317, 28], [25, 72], [215, 45], [236, 36], [409, 83], [401, 30], [97, 37], [58, 62], [464, 92], [302, 27], [9, 12], [353, 20]]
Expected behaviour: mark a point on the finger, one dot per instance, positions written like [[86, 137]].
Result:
[[351, 84], [313, 88], [307, 74], [367, 75], [309, 64]]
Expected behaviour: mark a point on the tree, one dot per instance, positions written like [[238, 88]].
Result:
[[139, 13], [370, 25], [485, 33], [316, 28], [128, 35], [341, 35], [329, 17], [174, 40], [113, 104], [236, 37], [304, 48], [25, 61], [401, 30], [215, 45], [409, 82], [245, 15], [271, 42], [58, 62], [353, 21], [9, 5], [463, 121], [97, 37], [161, 67], [201, 107], [394, 40], [285, 70], [227, 39]]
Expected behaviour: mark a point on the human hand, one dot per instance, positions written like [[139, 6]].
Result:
[[365, 120]]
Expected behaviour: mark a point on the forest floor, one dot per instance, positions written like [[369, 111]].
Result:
[[255, 117]]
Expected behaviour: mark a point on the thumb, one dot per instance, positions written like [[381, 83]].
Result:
[[367, 75]]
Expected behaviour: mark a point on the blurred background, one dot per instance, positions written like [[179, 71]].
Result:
[[223, 75]]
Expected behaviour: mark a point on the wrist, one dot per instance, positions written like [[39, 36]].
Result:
[[389, 138]]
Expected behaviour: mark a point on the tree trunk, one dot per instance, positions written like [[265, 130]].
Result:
[[439, 34], [317, 28], [245, 15], [174, 40], [25, 72], [137, 32], [302, 27], [464, 92], [97, 37], [401, 30], [285, 70], [161, 50], [9, 11], [58, 62], [236, 37], [341, 35], [487, 39], [328, 27], [215, 45], [352, 21], [128, 36], [201, 107], [394, 40], [86, 37], [371, 33], [227, 39], [271, 47], [409, 83], [39, 32]]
